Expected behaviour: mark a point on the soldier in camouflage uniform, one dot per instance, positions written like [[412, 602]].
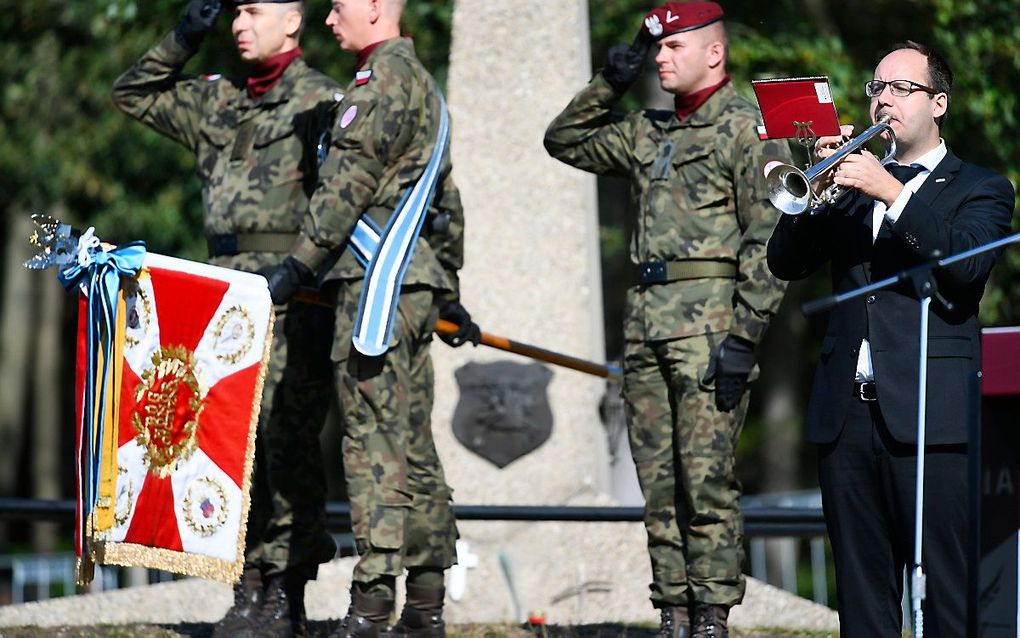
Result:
[[702, 299], [255, 142], [384, 136]]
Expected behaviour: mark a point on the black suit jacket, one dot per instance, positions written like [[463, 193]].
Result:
[[959, 206]]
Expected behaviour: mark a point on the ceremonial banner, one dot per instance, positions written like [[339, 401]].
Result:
[[174, 446]]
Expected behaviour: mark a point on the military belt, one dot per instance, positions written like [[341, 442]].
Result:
[[661, 272], [234, 244]]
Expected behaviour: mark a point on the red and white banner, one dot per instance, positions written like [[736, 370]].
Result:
[[194, 342]]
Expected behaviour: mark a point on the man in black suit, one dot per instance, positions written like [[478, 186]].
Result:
[[863, 410]]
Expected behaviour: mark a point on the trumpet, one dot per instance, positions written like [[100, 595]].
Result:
[[789, 187]]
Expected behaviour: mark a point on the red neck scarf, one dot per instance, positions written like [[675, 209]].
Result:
[[364, 53], [267, 73], [686, 105]]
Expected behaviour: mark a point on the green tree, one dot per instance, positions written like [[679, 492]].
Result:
[[62, 140], [63, 144], [66, 150]]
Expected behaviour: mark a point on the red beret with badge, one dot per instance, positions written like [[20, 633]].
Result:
[[677, 17]]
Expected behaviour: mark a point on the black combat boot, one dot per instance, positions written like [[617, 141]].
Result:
[[422, 616], [283, 608], [709, 621], [675, 623], [367, 617], [240, 620]]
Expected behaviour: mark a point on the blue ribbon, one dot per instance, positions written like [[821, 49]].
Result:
[[100, 276], [391, 254]]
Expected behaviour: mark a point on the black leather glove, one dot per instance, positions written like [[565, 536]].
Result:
[[625, 62], [196, 21], [467, 330], [730, 366], [285, 279]]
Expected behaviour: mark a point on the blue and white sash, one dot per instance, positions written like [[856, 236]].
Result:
[[387, 253]]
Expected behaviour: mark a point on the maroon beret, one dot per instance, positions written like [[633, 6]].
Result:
[[676, 17]]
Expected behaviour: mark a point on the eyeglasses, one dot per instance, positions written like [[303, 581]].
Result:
[[899, 88]]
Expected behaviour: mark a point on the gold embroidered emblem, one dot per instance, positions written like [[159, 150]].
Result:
[[205, 506], [233, 335], [169, 404]]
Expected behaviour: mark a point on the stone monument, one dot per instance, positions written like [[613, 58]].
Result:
[[532, 273], [531, 246]]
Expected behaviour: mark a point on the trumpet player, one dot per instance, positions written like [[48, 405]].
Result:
[[863, 409]]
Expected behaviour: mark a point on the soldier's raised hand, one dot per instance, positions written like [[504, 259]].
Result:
[[624, 62], [196, 21]]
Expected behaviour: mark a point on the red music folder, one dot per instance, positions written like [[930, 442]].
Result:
[[796, 107]]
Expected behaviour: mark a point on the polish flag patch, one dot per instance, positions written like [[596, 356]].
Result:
[[361, 78]]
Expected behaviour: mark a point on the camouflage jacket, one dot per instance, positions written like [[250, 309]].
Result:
[[699, 191], [383, 137], [256, 158]]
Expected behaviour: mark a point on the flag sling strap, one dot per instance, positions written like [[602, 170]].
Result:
[[389, 253]]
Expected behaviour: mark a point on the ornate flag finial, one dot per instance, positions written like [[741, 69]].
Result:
[[57, 243]]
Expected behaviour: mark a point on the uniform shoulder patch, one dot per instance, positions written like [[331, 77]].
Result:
[[362, 77], [348, 116]]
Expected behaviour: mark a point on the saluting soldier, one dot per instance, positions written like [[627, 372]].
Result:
[[387, 210], [701, 300], [255, 143]]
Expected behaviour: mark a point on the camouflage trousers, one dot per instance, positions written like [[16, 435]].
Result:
[[684, 452], [286, 527], [287, 520], [400, 502]]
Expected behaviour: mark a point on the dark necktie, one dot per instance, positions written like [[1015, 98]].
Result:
[[904, 173]]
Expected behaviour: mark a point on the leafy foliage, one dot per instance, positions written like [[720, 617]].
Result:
[[63, 142], [61, 139]]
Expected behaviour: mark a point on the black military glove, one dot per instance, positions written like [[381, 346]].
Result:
[[467, 330], [196, 21], [625, 62], [730, 365], [285, 279]]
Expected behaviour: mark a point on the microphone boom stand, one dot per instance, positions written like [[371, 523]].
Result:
[[921, 278]]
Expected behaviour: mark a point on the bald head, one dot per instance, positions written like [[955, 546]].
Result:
[[359, 23], [296, 8], [715, 34]]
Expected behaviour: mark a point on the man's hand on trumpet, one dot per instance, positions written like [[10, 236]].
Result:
[[824, 147], [862, 171]]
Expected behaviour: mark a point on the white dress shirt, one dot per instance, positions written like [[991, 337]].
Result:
[[927, 162]]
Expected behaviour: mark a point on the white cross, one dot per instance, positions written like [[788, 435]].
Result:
[[458, 573]]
